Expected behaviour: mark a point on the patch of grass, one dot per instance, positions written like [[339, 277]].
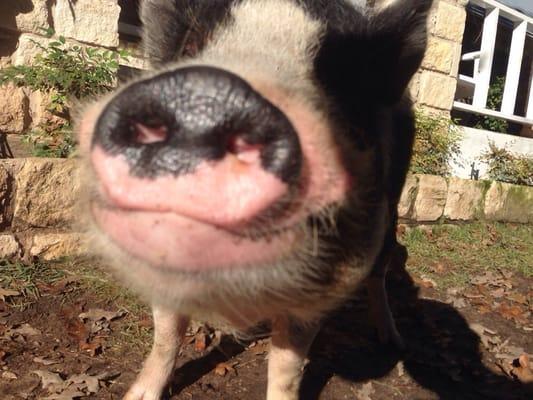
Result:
[[91, 278], [94, 278], [26, 278], [451, 255]]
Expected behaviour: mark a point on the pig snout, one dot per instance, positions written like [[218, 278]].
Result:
[[195, 170], [199, 142]]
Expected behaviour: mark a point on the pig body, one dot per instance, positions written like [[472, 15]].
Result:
[[254, 174]]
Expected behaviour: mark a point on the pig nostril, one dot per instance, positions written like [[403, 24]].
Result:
[[144, 134], [244, 151]]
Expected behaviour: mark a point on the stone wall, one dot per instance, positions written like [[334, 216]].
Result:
[[38, 208], [433, 199], [38, 205], [26, 110], [92, 22], [433, 87]]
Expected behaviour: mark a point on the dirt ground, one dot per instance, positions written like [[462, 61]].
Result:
[[68, 338]]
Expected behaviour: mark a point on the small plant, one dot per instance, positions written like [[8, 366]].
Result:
[[65, 72], [436, 144], [505, 166], [59, 143], [494, 102]]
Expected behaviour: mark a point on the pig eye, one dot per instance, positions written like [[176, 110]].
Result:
[[190, 49]]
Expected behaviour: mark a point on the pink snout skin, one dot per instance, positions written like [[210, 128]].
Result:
[[173, 242], [223, 193]]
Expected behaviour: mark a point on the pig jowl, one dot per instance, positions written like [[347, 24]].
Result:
[[254, 173]]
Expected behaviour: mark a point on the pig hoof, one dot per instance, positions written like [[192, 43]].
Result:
[[141, 391]]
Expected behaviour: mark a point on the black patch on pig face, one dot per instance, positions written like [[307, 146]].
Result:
[[364, 61], [203, 111], [367, 61], [180, 28]]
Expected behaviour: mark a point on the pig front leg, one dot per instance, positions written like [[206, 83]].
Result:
[[377, 293], [288, 352], [169, 330], [381, 313]]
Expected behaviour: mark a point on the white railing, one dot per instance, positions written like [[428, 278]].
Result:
[[483, 60]]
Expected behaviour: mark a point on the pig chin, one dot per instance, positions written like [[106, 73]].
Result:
[[173, 242]]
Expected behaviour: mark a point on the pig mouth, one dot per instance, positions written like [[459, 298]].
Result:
[[169, 241]]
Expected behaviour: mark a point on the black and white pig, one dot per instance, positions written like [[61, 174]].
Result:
[[254, 173]]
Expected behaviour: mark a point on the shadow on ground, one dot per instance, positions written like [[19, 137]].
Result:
[[443, 358], [442, 353]]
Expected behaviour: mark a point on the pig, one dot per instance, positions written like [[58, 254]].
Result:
[[253, 174]]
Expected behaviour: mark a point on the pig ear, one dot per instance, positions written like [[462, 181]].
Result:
[[372, 61], [163, 28], [170, 26], [399, 36]]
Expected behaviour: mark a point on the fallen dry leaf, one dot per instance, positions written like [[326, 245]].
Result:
[[25, 330], [490, 278], [498, 293], [439, 268], [488, 341], [200, 342], [93, 347], [425, 282], [517, 298], [96, 314], [514, 312], [146, 321], [49, 379], [44, 361], [6, 293], [522, 369], [9, 375], [77, 330], [365, 392], [223, 368], [79, 385], [70, 393]]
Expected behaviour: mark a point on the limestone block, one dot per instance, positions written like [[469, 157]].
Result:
[[9, 247], [47, 191], [414, 87], [6, 188], [14, 113], [465, 199], [25, 15], [89, 21], [509, 203], [439, 55], [457, 48], [437, 90], [40, 115], [8, 46], [51, 246], [450, 21], [430, 199], [405, 206], [27, 48]]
